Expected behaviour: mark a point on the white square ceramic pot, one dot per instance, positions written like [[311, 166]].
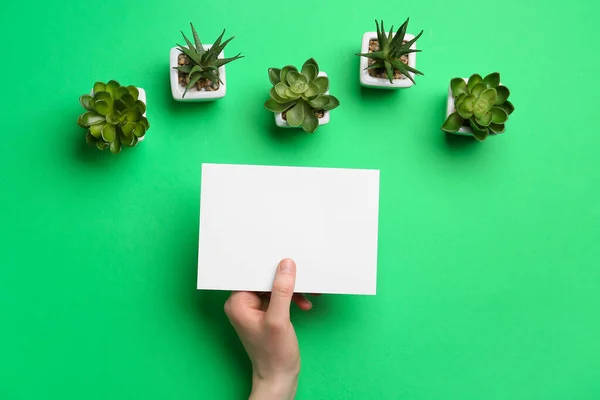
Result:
[[464, 130], [380, 83], [142, 97], [194, 94], [282, 123]]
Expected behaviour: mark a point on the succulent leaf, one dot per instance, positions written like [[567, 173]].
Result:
[[274, 74], [489, 95], [499, 115], [333, 103], [84, 100], [102, 107], [108, 133], [474, 80], [292, 77], [91, 118], [484, 120], [480, 133], [312, 90], [310, 68], [277, 107], [477, 89], [96, 130], [453, 123], [199, 47], [277, 97], [115, 147], [285, 71], [465, 107], [492, 80], [139, 130], [323, 83], [458, 86], [134, 92], [99, 87], [310, 122], [101, 145], [295, 115], [508, 107], [128, 128], [496, 128], [187, 41], [319, 102], [281, 89], [502, 95]]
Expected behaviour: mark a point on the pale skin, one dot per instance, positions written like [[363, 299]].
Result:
[[263, 324]]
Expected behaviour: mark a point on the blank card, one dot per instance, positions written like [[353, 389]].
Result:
[[325, 219]]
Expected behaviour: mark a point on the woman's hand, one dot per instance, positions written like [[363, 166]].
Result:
[[264, 327]]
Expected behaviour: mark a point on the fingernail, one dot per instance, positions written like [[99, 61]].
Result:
[[286, 266]]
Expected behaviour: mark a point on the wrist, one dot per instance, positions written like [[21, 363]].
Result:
[[281, 388]]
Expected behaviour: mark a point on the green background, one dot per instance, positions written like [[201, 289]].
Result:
[[488, 283]]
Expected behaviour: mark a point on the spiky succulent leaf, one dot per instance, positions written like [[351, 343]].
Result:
[[203, 63], [113, 114], [199, 47], [391, 48]]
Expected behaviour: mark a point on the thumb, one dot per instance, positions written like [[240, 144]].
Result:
[[283, 290]]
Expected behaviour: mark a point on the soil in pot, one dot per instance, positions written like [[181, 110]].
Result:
[[204, 85], [318, 113], [380, 72]]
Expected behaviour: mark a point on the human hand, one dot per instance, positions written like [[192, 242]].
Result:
[[265, 330]]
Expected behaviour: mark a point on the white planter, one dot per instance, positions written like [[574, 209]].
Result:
[[194, 94], [282, 123], [142, 97], [380, 83]]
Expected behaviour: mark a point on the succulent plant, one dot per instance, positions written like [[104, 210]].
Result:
[[483, 102], [391, 48], [300, 94], [114, 116], [204, 63]]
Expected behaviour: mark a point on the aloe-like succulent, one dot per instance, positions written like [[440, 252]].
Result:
[[203, 63], [299, 94], [114, 116], [391, 49], [482, 102]]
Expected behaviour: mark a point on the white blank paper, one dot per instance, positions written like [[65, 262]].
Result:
[[325, 219]]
